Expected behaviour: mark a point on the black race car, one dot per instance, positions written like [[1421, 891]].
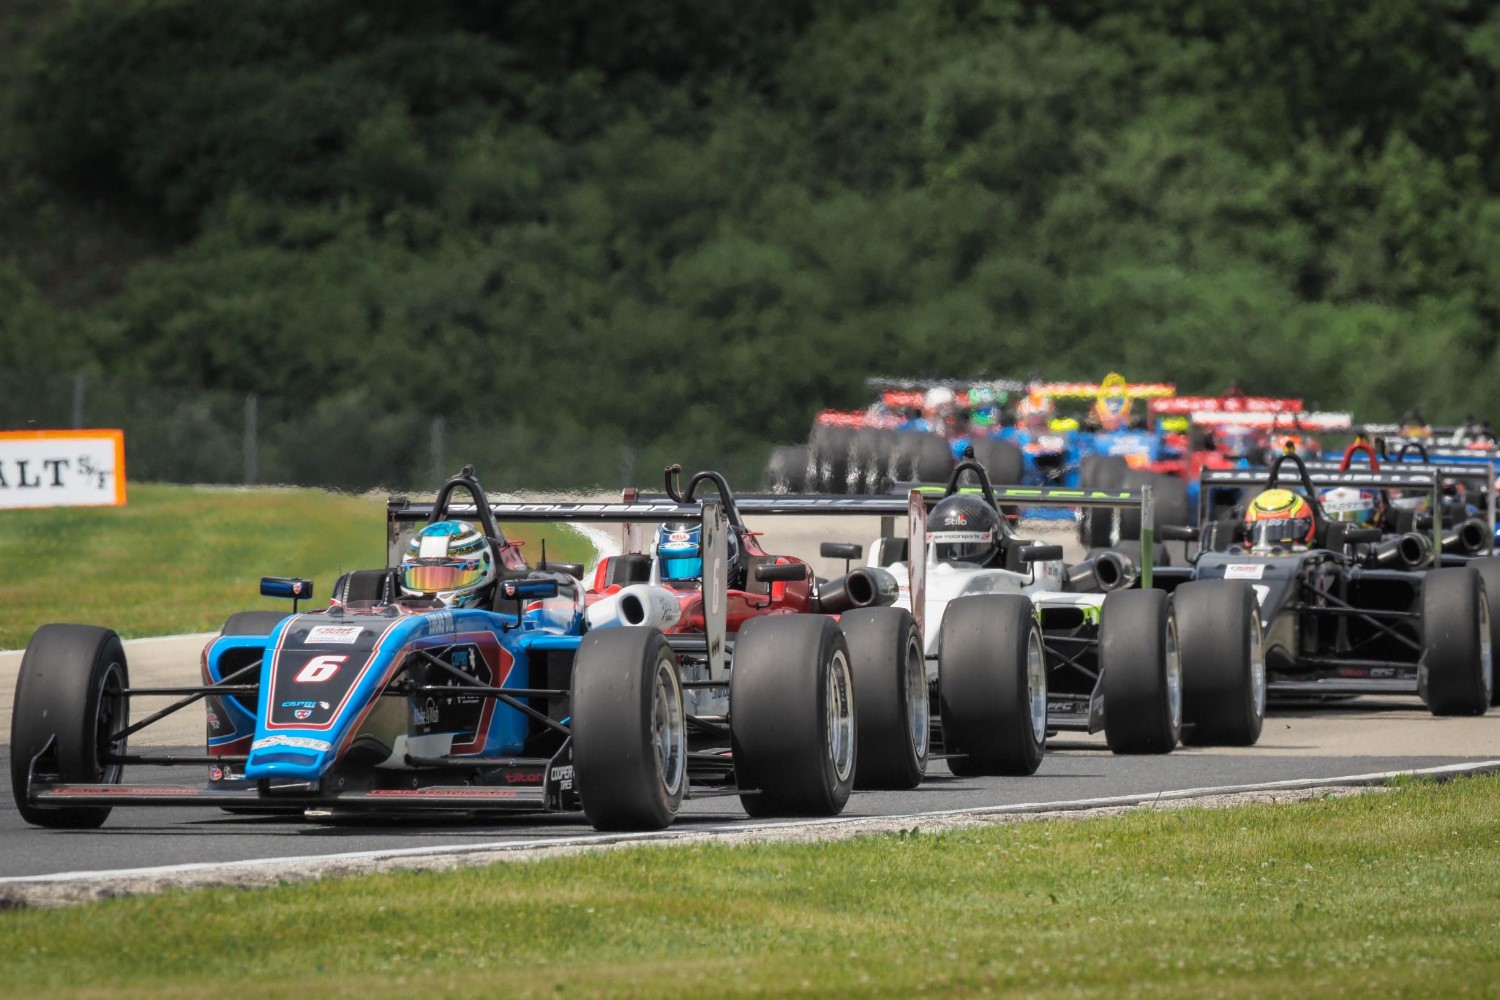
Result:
[[1357, 611]]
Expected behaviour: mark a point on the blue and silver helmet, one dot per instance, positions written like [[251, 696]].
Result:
[[679, 551], [449, 560]]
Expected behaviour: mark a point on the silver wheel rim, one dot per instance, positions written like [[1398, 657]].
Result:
[[840, 720], [1174, 677], [1257, 664], [668, 727], [113, 716], [918, 710], [1036, 685]]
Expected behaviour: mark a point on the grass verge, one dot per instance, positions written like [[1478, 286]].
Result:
[[183, 558], [1387, 894]]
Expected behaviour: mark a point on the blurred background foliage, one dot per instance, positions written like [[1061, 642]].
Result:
[[593, 236]]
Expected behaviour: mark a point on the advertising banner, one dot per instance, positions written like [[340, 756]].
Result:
[[62, 468]]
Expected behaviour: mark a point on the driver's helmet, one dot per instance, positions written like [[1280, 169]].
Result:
[[963, 528], [1417, 501], [451, 561], [1353, 506], [1279, 519], [1035, 412], [1112, 405], [679, 551]]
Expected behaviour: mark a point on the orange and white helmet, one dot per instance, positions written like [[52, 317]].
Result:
[[1279, 519]]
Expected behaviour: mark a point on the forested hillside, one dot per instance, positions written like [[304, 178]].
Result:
[[685, 225]]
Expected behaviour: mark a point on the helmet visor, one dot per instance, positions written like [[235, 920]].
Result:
[[963, 546], [1280, 532], [434, 576], [687, 568]]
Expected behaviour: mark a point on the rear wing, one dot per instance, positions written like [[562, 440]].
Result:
[[1092, 390], [1288, 421], [1057, 496], [1220, 405], [1324, 475], [401, 513]]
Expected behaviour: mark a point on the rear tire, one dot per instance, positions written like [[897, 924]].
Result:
[[992, 685], [1141, 671], [1456, 676], [69, 690], [1001, 459], [786, 470], [1223, 663], [1096, 529], [1488, 568], [629, 730], [890, 691], [792, 716]]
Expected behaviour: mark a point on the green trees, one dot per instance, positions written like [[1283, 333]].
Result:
[[672, 229]]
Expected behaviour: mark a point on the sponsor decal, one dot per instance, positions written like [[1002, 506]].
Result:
[[343, 635], [563, 775], [953, 537], [320, 669], [679, 536], [215, 773], [523, 777], [1244, 571], [443, 793], [302, 714], [295, 742], [425, 715]]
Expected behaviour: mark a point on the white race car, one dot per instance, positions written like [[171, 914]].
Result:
[[1089, 648]]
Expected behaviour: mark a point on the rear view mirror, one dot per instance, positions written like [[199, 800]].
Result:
[[1177, 533], [286, 586], [1362, 536], [1041, 553], [841, 550], [783, 572], [572, 569], [528, 590]]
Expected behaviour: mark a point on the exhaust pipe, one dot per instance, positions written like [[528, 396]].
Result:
[[1468, 538], [641, 605], [866, 587], [1103, 573], [1410, 551]]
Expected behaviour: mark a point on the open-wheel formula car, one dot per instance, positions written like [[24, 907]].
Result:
[[512, 699], [1348, 609], [1098, 647]]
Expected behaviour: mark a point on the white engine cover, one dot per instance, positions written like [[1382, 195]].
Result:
[[640, 604]]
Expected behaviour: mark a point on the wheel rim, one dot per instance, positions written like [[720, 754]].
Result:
[[1486, 661], [1036, 685], [668, 727], [1257, 664], [1174, 677], [918, 709], [840, 721], [112, 717]]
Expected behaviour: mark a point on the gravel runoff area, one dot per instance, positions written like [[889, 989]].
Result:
[[62, 890]]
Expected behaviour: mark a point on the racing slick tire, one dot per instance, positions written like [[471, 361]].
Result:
[[934, 459], [792, 716], [870, 459], [630, 739], [1223, 663], [992, 685], [70, 691], [1096, 529], [1141, 672], [1489, 570], [892, 708], [1001, 459], [786, 469], [1456, 675], [253, 622], [830, 447]]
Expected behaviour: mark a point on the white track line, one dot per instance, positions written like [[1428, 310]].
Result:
[[683, 832]]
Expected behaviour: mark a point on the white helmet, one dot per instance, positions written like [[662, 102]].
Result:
[[449, 560]]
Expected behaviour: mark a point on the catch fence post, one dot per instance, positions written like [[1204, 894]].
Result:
[[252, 449]]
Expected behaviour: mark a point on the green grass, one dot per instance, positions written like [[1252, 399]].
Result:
[[1388, 894], [182, 558]]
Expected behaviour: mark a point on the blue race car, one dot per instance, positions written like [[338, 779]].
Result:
[[511, 699]]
